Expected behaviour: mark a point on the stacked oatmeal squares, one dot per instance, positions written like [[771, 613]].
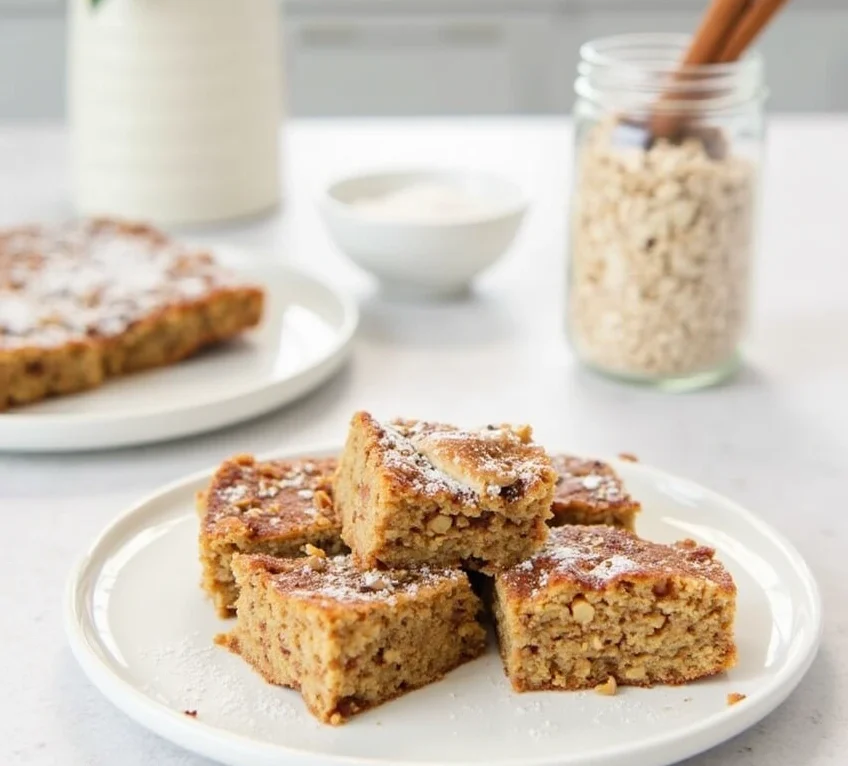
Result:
[[578, 599], [275, 507]]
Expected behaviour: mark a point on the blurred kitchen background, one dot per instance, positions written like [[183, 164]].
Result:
[[435, 57]]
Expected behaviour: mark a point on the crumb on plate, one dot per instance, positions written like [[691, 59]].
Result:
[[608, 688]]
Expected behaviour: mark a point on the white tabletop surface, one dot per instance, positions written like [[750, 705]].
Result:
[[775, 439]]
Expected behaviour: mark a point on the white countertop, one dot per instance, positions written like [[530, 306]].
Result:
[[776, 438]]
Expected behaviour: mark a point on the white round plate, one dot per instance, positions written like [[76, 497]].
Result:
[[304, 337], [142, 631]]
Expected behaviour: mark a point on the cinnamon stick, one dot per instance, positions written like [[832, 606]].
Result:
[[716, 26], [748, 27]]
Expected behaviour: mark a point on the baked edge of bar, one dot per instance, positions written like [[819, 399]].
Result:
[[15, 362]]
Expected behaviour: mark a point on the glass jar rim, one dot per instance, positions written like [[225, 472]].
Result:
[[601, 52], [647, 66]]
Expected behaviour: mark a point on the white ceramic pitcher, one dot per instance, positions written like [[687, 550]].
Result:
[[175, 108]]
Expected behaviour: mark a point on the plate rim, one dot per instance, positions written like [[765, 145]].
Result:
[[48, 426], [216, 743]]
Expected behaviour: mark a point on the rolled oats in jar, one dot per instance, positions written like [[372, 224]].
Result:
[[662, 222]]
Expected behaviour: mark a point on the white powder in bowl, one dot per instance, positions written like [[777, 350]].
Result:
[[427, 202]]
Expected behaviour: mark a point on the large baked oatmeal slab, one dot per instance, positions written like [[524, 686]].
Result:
[[93, 299]]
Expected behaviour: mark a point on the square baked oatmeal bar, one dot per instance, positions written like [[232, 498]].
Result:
[[411, 492], [598, 602], [351, 639], [275, 507], [590, 492]]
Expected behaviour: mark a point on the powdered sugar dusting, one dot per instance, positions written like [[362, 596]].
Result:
[[400, 453], [614, 567], [233, 493], [337, 579], [204, 680], [588, 482], [468, 464], [598, 557], [91, 279], [266, 490], [592, 481], [493, 455], [274, 496]]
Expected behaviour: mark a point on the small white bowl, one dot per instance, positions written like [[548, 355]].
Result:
[[420, 257]]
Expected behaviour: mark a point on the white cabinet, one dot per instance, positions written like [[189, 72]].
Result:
[[440, 57], [32, 62], [806, 60], [419, 64], [805, 52]]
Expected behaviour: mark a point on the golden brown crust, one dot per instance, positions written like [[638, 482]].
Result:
[[599, 557], [493, 461], [276, 507], [337, 582], [590, 492], [272, 498], [112, 298], [411, 492]]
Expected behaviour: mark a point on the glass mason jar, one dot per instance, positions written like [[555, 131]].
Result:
[[664, 203]]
